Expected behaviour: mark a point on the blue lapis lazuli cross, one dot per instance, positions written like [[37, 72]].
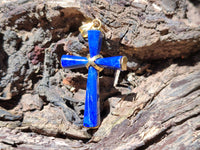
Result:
[[94, 63]]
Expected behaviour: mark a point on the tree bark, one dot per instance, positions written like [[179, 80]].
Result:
[[156, 104]]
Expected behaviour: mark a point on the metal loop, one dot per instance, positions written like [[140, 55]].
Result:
[[91, 62], [93, 25], [96, 24]]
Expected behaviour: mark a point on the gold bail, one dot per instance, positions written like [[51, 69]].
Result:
[[93, 25]]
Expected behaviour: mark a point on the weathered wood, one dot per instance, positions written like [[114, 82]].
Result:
[[164, 114], [145, 29], [156, 103]]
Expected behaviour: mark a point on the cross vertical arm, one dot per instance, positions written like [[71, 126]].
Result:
[[94, 40], [92, 112]]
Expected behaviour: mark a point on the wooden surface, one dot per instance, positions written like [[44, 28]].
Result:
[[156, 104]]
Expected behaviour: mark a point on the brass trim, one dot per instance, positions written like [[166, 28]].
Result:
[[123, 63], [91, 62], [92, 127]]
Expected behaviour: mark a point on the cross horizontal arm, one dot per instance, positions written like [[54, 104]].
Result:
[[116, 62], [72, 62]]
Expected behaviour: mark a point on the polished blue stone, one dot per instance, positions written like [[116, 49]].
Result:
[[109, 62], [94, 40], [91, 113], [72, 62]]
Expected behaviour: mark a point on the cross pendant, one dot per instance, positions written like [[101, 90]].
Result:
[[95, 63]]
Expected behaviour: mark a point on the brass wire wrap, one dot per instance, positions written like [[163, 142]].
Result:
[[91, 62]]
